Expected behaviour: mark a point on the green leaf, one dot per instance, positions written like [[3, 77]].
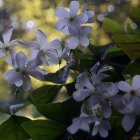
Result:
[[100, 52], [117, 59], [43, 95], [132, 69], [112, 26], [130, 44], [11, 129], [43, 129], [135, 14], [62, 112]]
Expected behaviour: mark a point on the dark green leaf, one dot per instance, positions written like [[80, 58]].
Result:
[[132, 69], [11, 129], [100, 52], [43, 95], [62, 112], [43, 129]]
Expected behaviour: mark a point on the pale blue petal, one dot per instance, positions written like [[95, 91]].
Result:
[[84, 41], [61, 24], [73, 43], [2, 52], [85, 30], [136, 82], [12, 76], [26, 83], [81, 94], [74, 6], [42, 38], [62, 13], [21, 60], [7, 35], [36, 74], [74, 127], [128, 122], [19, 83], [123, 86], [1, 45], [81, 18], [53, 45]]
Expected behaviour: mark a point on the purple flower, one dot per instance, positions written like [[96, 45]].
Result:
[[7, 45], [45, 51], [63, 53], [86, 83], [102, 127], [89, 14], [133, 89], [103, 95], [130, 110], [79, 34], [22, 70], [81, 123], [69, 18]]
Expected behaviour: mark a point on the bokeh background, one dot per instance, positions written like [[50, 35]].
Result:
[[28, 15]]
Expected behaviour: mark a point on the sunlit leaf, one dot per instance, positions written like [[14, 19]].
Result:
[[130, 44], [43, 95], [135, 14], [112, 26]]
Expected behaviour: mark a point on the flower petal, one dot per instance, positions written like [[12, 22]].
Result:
[[136, 82], [128, 122], [74, 6], [36, 74], [73, 43], [103, 132], [106, 109], [84, 124], [81, 18], [84, 41], [19, 83], [81, 94], [84, 30], [21, 60], [2, 52], [7, 35], [26, 83], [123, 86], [1, 45], [53, 45], [83, 81], [42, 38], [12, 76], [62, 13], [61, 24], [74, 127]]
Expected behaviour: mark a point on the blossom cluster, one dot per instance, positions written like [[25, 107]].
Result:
[[98, 97]]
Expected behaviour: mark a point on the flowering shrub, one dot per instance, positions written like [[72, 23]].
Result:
[[102, 102]]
